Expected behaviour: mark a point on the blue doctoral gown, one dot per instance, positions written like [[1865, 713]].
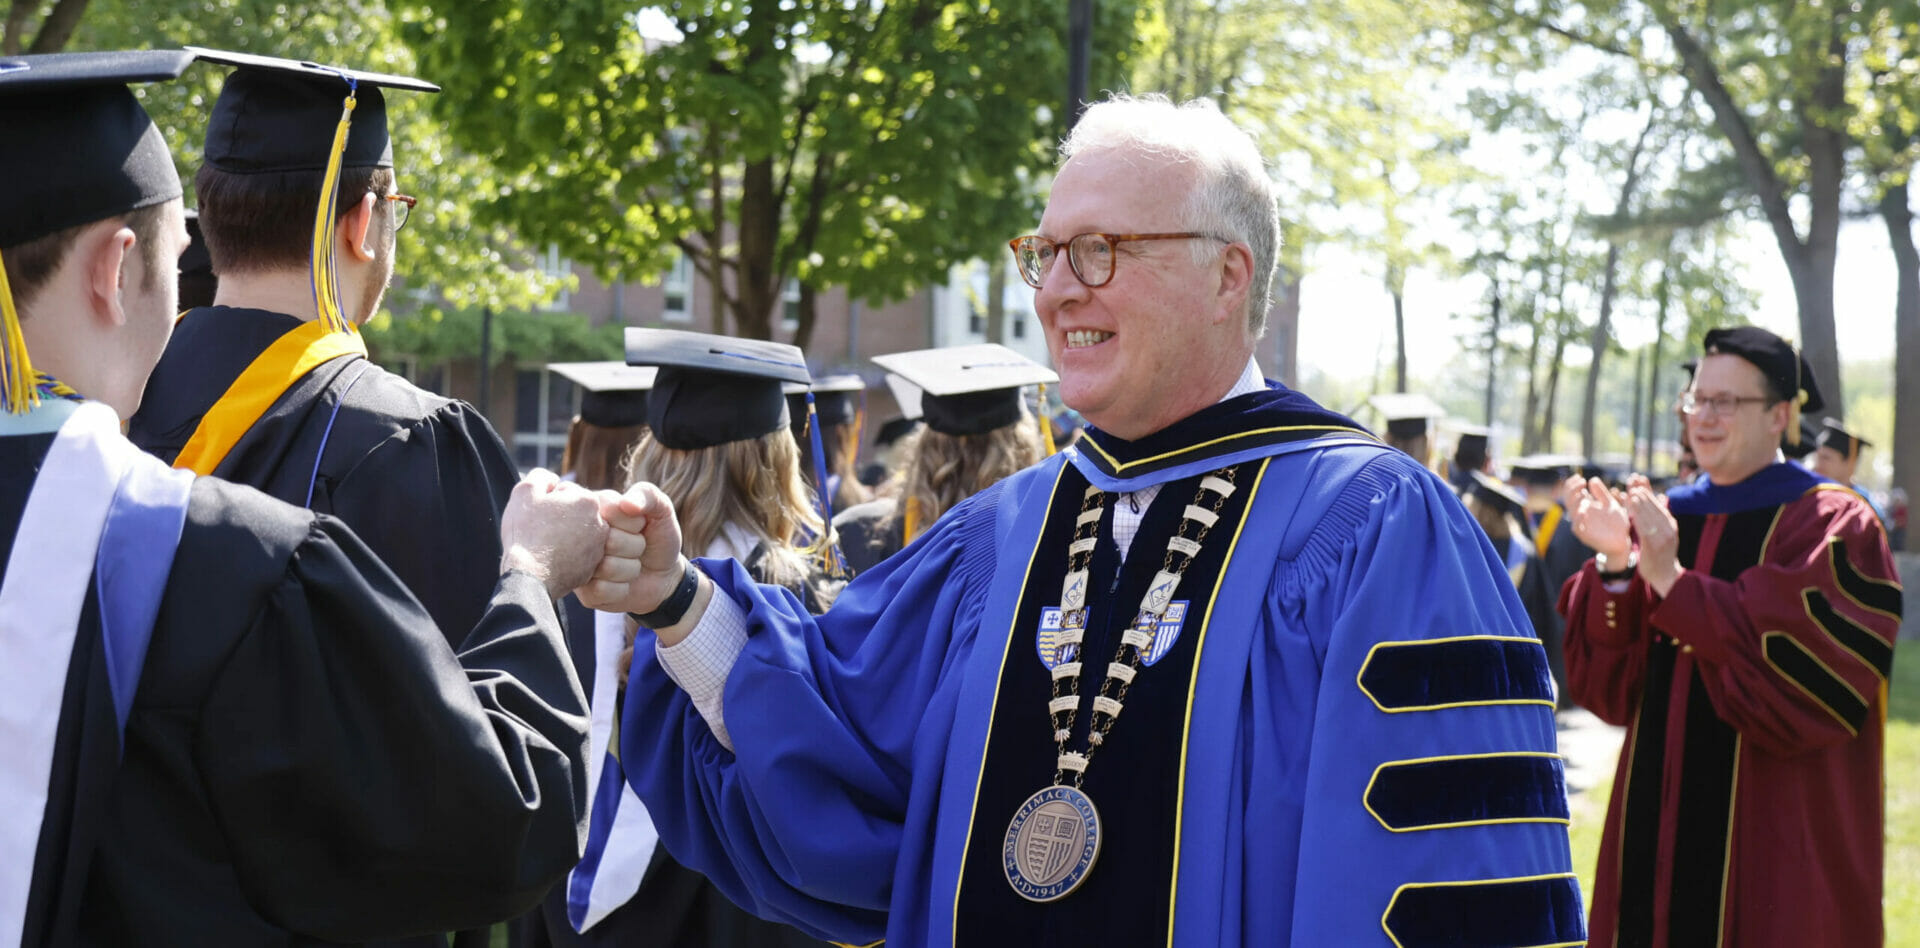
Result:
[[1359, 749]]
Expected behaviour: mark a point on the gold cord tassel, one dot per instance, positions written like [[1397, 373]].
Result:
[[17, 391], [326, 286], [1046, 424]]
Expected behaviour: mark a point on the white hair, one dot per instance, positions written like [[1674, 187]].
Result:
[[1234, 198]]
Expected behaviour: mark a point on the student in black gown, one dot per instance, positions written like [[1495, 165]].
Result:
[[270, 386], [977, 431], [228, 722], [719, 441]]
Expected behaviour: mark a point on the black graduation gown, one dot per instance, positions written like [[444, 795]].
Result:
[[1540, 593], [869, 533], [305, 760], [675, 907], [422, 479]]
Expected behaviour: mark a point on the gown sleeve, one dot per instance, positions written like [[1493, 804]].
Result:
[[427, 501], [368, 782], [805, 824], [1795, 651], [1606, 644], [1433, 802]]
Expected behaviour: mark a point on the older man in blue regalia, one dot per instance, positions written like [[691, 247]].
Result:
[[1229, 672]]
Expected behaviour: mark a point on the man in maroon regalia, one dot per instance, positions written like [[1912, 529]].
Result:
[[1742, 628]]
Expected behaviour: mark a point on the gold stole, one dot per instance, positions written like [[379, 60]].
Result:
[[268, 377]]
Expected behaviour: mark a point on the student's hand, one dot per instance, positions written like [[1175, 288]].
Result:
[[553, 531], [1599, 520], [641, 564]]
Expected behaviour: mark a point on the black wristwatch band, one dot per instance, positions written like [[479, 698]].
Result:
[[1619, 575], [674, 608]]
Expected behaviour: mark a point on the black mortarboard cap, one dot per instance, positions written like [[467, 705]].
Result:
[[277, 115], [968, 389], [197, 281], [1472, 445], [1691, 365], [1833, 434], [893, 429], [714, 389], [1776, 358], [612, 394], [836, 401], [1544, 469], [79, 148], [1489, 490], [1407, 415], [1803, 445]]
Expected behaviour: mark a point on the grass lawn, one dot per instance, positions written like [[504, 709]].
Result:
[[1903, 807]]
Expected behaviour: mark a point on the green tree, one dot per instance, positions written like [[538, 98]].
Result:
[[447, 257], [834, 142]]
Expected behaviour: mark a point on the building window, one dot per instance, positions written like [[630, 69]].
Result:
[[976, 318], [678, 287], [553, 266], [543, 409], [790, 305], [1019, 324]]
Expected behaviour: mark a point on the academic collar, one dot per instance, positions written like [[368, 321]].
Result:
[[45, 418], [1273, 420], [1771, 486]]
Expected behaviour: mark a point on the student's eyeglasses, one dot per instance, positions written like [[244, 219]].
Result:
[[402, 206], [1090, 255]]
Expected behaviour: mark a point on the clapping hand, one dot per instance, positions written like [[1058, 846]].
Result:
[[1599, 520], [1659, 535]]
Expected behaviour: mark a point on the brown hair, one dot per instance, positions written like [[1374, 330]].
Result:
[[1496, 523], [941, 470], [32, 264], [597, 456], [257, 222]]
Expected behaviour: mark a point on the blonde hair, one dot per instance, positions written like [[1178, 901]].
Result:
[[754, 483], [938, 471]]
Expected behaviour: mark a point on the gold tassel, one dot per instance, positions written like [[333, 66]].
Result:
[[326, 287], [1046, 424], [17, 391]]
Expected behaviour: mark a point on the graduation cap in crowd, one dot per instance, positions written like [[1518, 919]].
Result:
[[1783, 365], [893, 429], [1544, 470], [1488, 490], [197, 282], [79, 149], [714, 389], [1803, 442], [968, 389], [1470, 450], [1407, 415], [1835, 435], [612, 394], [836, 401], [279, 116]]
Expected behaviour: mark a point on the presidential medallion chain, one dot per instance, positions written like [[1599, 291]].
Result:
[[1055, 835]]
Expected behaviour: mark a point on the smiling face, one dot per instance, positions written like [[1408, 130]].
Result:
[[1733, 446], [1166, 336]]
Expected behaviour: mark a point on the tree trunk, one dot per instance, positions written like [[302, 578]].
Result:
[[1810, 262], [1598, 344], [1397, 285], [1560, 340], [1529, 419], [1283, 321], [1639, 386], [1662, 298], [803, 333], [758, 291], [1898, 215], [996, 300], [1493, 356], [17, 12], [58, 27]]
